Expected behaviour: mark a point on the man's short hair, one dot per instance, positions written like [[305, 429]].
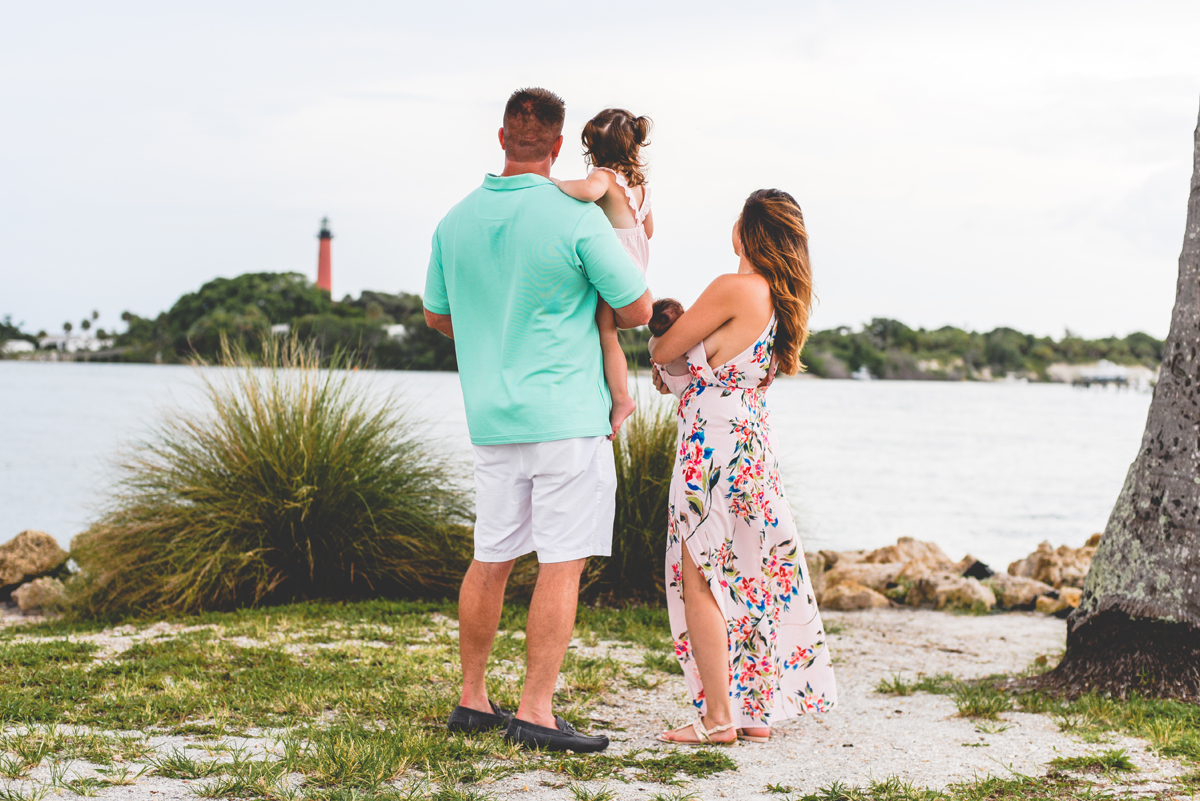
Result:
[[533, 119]]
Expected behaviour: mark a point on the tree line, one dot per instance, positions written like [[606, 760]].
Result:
[[244, 310]]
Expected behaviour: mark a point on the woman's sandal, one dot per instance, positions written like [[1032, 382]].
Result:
[[753, 738], [702, 735]]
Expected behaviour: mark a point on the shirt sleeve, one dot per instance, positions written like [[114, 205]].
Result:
[[607, 266], [435, 299]]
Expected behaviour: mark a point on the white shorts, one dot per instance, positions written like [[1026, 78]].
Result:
[[557, 498]]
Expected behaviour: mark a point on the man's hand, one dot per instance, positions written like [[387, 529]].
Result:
[[440, 322], [636, 313], [766, 382]]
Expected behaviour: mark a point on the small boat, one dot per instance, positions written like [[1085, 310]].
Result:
[[862, 374]]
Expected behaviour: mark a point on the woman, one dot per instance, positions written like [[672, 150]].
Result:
[[745, 623]]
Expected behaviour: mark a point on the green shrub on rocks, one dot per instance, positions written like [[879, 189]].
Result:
[[295, 482]]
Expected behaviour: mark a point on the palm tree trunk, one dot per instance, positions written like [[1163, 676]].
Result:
[[1137, 628]]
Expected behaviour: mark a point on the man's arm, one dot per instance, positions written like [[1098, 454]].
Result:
[[631, 316], [441, 323]]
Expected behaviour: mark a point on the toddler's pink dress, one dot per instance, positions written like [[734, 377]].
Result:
[[634, 240]]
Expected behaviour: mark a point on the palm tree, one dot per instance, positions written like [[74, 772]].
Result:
[[1137, 628]]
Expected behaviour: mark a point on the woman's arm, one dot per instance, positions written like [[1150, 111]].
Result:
[[649, 223], [712, 310], [588, 189]]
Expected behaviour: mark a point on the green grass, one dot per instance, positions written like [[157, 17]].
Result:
[[356, 696], [294, 482], [1105, 762]]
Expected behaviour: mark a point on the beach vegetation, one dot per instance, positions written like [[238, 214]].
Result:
[[293, 482], [645, 456]]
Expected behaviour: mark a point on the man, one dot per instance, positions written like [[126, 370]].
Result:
[[513, 279]]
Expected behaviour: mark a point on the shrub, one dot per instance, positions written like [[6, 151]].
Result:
[[645, 457], [296, 483]]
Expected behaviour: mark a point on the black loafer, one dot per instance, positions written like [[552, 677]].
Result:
[[465, 719], [563, 738]]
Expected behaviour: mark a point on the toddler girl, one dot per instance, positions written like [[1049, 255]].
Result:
[[612, 143]]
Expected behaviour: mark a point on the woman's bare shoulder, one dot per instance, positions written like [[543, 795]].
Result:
[[742, 286]]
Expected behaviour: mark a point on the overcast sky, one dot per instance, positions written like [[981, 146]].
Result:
[[1017, 163]]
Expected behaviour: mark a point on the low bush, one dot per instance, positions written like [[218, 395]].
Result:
[[645, 457], [294, 483]]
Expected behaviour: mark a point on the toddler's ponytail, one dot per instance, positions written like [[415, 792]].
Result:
[[614, 139]]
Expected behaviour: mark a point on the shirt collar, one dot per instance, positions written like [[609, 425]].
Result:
[[503, 184]]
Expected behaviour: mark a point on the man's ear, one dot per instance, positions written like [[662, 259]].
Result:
[[501, 134], [557, 147]]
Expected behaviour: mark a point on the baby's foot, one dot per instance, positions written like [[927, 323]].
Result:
[[621, 409]]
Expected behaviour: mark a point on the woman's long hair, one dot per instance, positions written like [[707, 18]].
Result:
[[614, 138], [775, 241]]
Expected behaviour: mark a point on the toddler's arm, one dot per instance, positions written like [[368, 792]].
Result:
[[588, 189]]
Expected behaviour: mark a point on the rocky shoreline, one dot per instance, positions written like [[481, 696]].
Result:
[[920, 574], [910, 573]]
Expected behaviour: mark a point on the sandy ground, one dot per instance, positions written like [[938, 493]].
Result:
[[868, 736]]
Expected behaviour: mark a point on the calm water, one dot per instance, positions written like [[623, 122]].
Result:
[[990, 469]]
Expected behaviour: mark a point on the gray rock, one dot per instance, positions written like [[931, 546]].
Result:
[[950, 591], [1017, 592]]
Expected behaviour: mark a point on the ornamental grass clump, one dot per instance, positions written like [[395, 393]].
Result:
[[645, 456], [295, 482]]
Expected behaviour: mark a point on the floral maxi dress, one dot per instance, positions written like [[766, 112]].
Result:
[[727, 506]]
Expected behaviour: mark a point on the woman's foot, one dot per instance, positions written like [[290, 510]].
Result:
[[688, 735], [621, 409], [755, 734]]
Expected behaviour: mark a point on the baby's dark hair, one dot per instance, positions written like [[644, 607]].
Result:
[[663, 315], [614, 138]]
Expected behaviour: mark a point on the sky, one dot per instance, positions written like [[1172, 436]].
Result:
[[1020, 164]]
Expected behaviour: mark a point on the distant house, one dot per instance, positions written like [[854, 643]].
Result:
[[16, 346], [74, 344]]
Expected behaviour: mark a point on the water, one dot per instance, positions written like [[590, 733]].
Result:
[[986, 469]]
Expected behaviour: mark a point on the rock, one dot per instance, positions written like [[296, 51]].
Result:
[[816, 573], [28, 555], [40, 596], [951, 591], [977, 569], [872, 576], [853, 596], [908, 549], [1063, 605], [1061, 567], [1017, 592]]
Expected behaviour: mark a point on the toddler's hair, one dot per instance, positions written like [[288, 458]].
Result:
[[614, 138], [664, 313]]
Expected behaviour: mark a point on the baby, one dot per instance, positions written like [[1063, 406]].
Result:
[[665, 313]]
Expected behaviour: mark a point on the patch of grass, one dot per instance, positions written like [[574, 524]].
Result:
[[896, 685], [178, 765], [835, 627], [1105, 762], [296, 482], [580, 793], [663, 662], [674, 795], [779, 788], [980, 700]]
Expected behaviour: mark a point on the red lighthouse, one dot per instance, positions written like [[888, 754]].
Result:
[[324, 267]]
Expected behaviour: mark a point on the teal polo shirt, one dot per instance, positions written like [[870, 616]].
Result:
[[518, 265]]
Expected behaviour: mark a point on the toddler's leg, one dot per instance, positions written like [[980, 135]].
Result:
[[616, 369]]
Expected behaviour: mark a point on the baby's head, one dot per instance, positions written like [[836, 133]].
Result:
[[614, 138], [664, 314]]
